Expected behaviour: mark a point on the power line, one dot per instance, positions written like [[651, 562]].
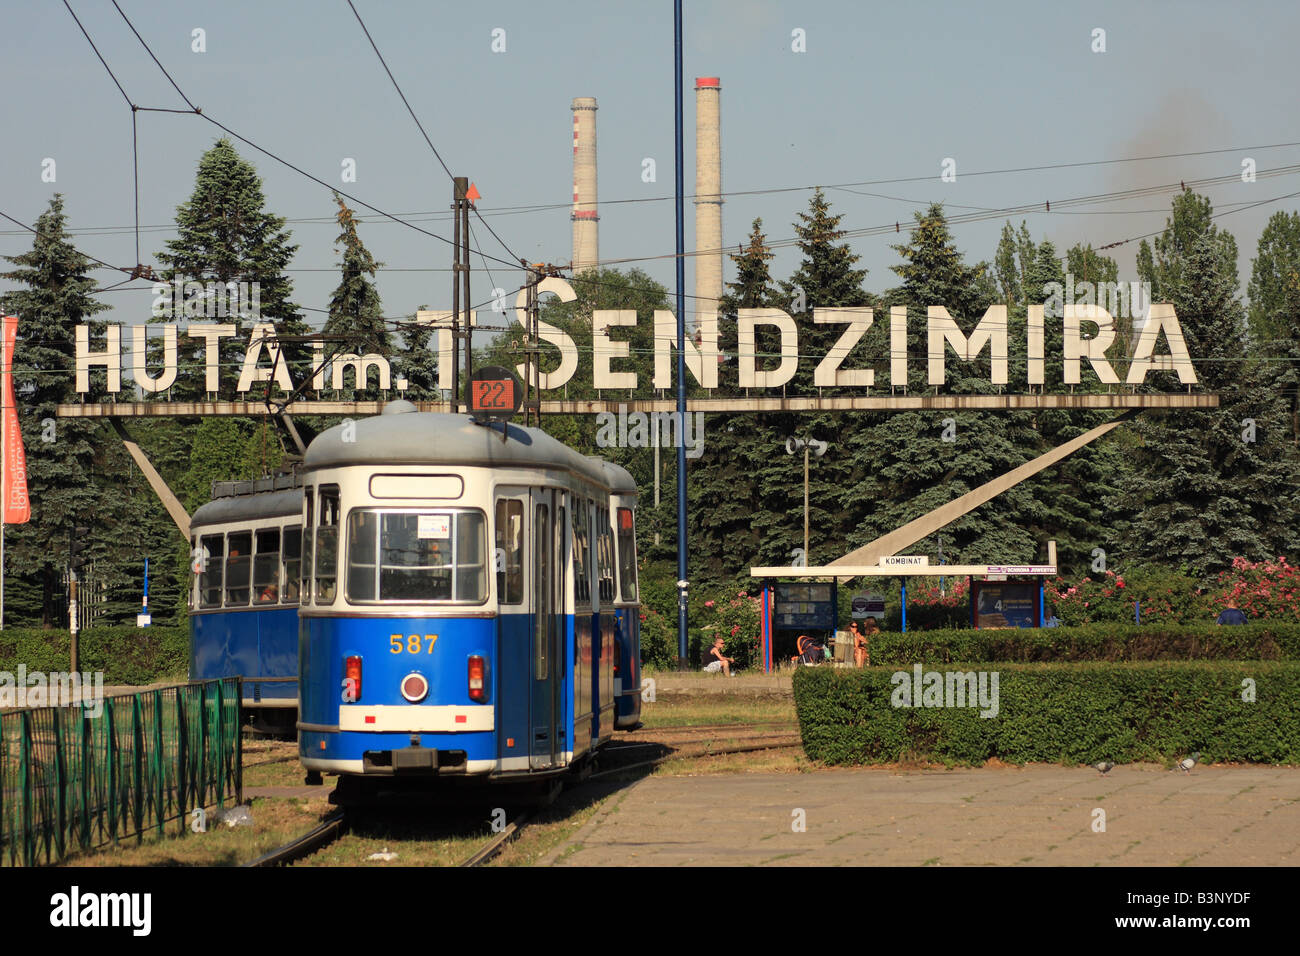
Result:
[[266, 152], [405, 102]]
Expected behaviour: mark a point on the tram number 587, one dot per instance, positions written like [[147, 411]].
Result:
[[411, 643]]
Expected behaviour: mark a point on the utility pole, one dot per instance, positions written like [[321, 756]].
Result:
[[805, 501], [76, 541], [457, 195], [463, 189], [679, 197], [818, 448]]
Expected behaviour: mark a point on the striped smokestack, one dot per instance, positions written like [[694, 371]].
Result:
[[708, 194], [586, 248]]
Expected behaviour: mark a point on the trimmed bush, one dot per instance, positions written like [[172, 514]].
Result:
[[126, 655], [1266, 641], [1060, 713]]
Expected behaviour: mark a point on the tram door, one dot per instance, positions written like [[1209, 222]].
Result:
[[547, 715]]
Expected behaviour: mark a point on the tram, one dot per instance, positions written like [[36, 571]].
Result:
[[627, 603], [246, 545], [467, 593]]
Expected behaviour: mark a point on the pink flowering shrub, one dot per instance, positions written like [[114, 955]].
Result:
[[1267, 590], [737, 617]]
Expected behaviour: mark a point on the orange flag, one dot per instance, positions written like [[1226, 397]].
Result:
[[17, 509]]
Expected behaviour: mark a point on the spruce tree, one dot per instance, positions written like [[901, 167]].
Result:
[[355, 312], [1213, 484], [417, 361], [1277, 263], [227, 237], [70, 462], [727, 530]]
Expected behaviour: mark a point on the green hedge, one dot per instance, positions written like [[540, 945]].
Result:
[[126, 655], [1267, 641], [1060, 713]]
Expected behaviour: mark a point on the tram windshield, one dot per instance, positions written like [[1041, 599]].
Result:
[[429, 557]]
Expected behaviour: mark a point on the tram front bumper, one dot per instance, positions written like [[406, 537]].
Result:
[[414, 760]]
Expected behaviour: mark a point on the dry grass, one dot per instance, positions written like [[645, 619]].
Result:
[[448, 833]]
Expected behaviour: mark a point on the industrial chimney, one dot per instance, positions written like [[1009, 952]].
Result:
[[708, 194], [586, 248]]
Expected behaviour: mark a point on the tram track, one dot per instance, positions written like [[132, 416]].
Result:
[[740, 740], [315, 839]]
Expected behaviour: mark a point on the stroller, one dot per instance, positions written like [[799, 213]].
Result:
[[809, 651]]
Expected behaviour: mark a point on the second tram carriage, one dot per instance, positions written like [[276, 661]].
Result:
[[246, 546], [468, 593]]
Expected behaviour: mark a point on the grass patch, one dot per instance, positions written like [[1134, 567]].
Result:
[[275, 822], [695, 711]]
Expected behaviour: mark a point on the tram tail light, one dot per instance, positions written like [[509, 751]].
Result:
[[477, 679], [352, 679]]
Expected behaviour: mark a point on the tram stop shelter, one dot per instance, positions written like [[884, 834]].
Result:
[[1002, 595]]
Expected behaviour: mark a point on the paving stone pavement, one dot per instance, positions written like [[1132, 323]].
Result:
[[1036, 815]]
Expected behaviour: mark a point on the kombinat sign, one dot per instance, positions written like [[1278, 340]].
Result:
[[1088, 333]]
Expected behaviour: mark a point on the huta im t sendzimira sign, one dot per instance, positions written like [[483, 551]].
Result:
[[1088, 332]]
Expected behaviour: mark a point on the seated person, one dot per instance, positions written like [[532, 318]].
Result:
[[715, 661], [1231, 615]]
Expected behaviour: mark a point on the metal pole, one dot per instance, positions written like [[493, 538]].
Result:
[[654, 433], [456, 193], [681, 336], [72, 617], [807, 559], [903, 591], [462, 184], [4, 489]]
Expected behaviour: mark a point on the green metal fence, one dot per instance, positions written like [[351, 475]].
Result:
[[71, 782]]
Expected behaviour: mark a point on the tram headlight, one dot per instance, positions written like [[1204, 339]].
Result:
[[477, 679], [415, 687]]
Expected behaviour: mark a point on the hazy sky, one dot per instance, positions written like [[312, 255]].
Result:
[[883, 91]]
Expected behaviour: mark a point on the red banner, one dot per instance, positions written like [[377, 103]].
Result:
[[17, 509]]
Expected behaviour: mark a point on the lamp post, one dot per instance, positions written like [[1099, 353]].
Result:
[[818, 448]]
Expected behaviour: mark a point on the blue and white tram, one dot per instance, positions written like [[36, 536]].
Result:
[[627, 602], [246, 543], [458, 600]]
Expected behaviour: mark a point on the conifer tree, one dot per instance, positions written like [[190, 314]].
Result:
[[73, 469], [726, 530], [417, 361], [1274, 275], [1214, 484], [909, 463], [226, 237], [355, 312]]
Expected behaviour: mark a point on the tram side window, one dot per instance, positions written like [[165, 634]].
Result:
[[363, 563], [627, 554], [292, 557], [471, 562], [510, 551], [327, 543], [214, 548], [239, 565], [581, 554], [266, 566], [605, 572], [307, 537]]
